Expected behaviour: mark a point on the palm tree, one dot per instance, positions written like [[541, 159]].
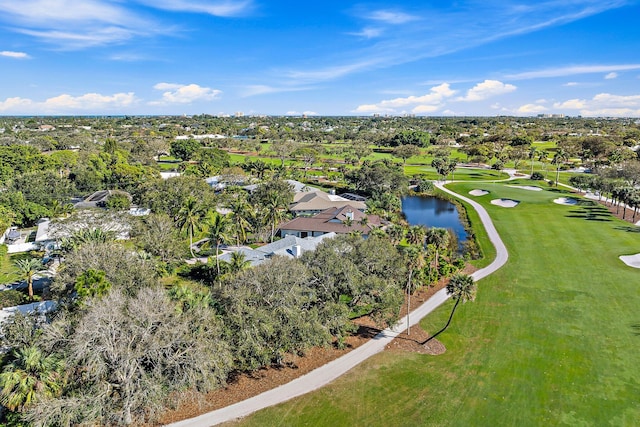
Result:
[[560, 157], [439, 238], [218, 228], [275, 212], [396, 233], [532, 156], [238, 262], [30, 377], [28, 268], [461, 288], [241, 214], [188, 218], [415, 262], [416, 235], [543, 156]]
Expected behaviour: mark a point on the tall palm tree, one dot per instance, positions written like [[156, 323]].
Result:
[[28, 268], [188, 218], [559, 158], [30, 377], [439, 238], [543, 156], [241, 215], [461, 288], [415, 262], [275, 212], [218, 232], [532, 156]]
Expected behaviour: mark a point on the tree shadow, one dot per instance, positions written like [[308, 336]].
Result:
[[590, 211], [629, 228]]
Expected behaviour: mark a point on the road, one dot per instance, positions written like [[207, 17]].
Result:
[[332, 370]]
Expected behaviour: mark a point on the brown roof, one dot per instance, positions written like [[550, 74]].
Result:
[[333, 220], [319, 200]]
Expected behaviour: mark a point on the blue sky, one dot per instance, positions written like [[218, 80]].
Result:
[[467, 57]]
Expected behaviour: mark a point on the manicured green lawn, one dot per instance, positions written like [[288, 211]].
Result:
[[553, 337]]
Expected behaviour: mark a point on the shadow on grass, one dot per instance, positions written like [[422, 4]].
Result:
[[636, 329], [559, 190], [629, 229], [590, 211]]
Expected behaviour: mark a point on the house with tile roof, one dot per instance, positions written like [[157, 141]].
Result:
[[340, 220], [313, 202]]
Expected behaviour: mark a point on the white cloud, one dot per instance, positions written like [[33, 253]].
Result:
[[611, 75], [391, 17], [184, 94], [532, 109], [571, 104], [15, 104], [371, 108], [89, 101], [572, 71], [569, 84], [422, 109], [65, 103], [604, 104], [428, 102], [16, 55], [487, 89]]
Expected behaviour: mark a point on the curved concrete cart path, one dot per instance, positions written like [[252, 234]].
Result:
[[332, 370]]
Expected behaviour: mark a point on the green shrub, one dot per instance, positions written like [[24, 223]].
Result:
[[11, 298], [537, 176]]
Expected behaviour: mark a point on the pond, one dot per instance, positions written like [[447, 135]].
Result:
[[433, 212]]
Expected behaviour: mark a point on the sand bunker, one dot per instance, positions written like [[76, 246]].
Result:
[[526, 187], [631, 260], [565, 201], [505, 203], [478, 192]]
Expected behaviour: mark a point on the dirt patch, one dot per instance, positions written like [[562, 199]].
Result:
[[245, 385], [415, 342]]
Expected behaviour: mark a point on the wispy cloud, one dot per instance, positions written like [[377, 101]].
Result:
[[184, 94], [225, 8], [391, 17], [487, 89], [253, 90], [572, 71], [81, 24], [428, 32], [612, 75], [75, 24], [16, 55], [368, 33]]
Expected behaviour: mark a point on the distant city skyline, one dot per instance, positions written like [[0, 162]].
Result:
[[462, 58]]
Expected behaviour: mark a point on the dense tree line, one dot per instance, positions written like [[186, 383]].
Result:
[[114, 355]]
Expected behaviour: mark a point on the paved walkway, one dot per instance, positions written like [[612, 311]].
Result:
[[332, 370]]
